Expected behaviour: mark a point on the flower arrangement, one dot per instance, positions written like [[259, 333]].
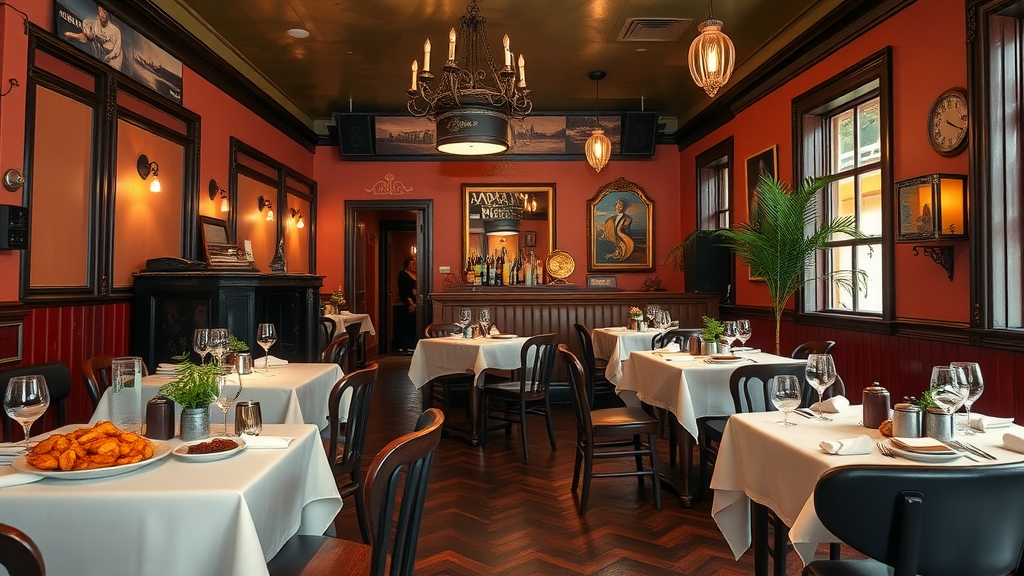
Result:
[[712, 329], [195, 385], [635, 313]]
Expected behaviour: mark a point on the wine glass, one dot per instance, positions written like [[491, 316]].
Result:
[[785, 395], [730, 333], [465, 318], [485, 321], [26, 400], [266, 335], [228, 390], [949, 387], [201, 343], [743, 331], [973, 372], [820, 372], [219, 340]]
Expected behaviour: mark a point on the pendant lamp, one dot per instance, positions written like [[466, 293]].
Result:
[[712, 55], [598, 147]]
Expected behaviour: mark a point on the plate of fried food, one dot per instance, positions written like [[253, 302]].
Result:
[[209, 450], [97, 452]]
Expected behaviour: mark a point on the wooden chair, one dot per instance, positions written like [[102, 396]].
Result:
[[404, 463], [679, 336], [58, 383], [620, 429], [813, 347], [902, 517], [593, 368], [334, 353], [537, 359], [19, 554], [96, 377], [449, 387], [356, 347], [328, 328], [345, 445]]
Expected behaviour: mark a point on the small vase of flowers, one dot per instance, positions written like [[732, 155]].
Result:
[[636, 317]]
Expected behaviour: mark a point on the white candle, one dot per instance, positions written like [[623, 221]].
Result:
[[522, 71], [426, 56], [451, 45], [415, 67], [508, 53]]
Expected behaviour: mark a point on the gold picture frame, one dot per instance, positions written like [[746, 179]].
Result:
[[620, 229]]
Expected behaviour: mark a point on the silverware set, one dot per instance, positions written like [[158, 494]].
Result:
[[970, 448], [885, 450], [805, 412]]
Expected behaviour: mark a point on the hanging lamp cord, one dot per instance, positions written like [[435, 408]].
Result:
[[597, 96], [711, 14]]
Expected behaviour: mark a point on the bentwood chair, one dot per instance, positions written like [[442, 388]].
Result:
[[345, 446], [679, 336], [96, 376], [448, 388], [804, 350], [335, 351], [19, 554], [356, 347], [509, 401], [58, 383], [903, 517], [328, 328], [398, 477], [593, 368], [609, 433]]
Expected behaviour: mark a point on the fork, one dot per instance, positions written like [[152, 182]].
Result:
[[885, 450]]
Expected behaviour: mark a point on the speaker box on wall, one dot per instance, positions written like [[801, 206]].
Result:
[[13, 227], [638, 132], [355, 133], [707, 265]]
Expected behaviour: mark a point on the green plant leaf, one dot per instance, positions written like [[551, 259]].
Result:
[[195, 386]]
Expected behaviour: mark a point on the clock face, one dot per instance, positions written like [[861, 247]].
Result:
[[947, 124]]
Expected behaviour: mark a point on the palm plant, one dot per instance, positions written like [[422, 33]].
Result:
[[776, 244]]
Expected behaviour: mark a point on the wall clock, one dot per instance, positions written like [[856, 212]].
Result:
[[947, 122]]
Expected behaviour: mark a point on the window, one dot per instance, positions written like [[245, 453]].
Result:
[[843, 131], [714, 187]]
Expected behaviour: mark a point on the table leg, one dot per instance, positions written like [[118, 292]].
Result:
[[686, 489], [474, 415], [759, 531]]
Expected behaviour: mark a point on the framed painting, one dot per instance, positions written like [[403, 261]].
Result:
[[517, 219], [764, 163], [620, 229]]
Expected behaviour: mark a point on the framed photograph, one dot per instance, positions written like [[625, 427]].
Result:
[[500, 216], [602, 281], [529, 239], [620, 229], [764, 163]]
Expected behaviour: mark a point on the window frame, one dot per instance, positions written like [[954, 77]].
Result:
[[717, 159]]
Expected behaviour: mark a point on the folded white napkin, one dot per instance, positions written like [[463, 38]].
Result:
[[267, 441], [679, 357], [833, 405], [272, 360], [848, 446], [166, 366], [494, 331], [672, 347], [11, 449], [979, 422], [11, 477], [745, 350], [1013, 441]]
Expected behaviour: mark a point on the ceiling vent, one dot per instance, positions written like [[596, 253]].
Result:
[[653, 29]]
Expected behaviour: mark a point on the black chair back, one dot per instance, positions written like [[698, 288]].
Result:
[[328, 328], [750, 385], [677, 335], [334, 353], [345, 448], [409, 456], [440, 330], [813, 347], [18, 554], [588, 361], [58, 383], [356, 351], [537, 360], [575, 371], [903, 516]]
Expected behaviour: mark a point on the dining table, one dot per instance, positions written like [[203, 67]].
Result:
[[344, 318], [291, 394], [753, 443], [452, 355], [689, 387], [616, 343], [176, 516]]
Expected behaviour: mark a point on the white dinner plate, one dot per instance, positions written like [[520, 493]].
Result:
[[162, 449], [724, 359], [182, 451], [929, 457], [503, 336]]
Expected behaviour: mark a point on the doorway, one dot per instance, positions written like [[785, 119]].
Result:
[[379, 235]]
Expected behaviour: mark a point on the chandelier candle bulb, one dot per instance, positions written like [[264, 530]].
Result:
[[426, 56], [451, 45], [415, 67], [508, 52], [522, 71]]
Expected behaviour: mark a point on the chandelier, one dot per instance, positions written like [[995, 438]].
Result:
[[598, 146], [712, 55], [474, 99]]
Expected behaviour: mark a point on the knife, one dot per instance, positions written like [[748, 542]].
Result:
[[974, 450], [801, 411]]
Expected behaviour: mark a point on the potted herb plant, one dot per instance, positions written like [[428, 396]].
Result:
[[711, 334], [194, 388], [238, 355]]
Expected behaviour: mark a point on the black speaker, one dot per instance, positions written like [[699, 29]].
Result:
[[707, 265], [13, 227], [355, 133], [638, 132]]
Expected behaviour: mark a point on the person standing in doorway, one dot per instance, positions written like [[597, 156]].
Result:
[[405, 313]]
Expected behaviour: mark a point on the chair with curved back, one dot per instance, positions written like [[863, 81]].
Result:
[[96, 376], [537, 360], [328, 328], [593, 368], [345, 446], [19, 554], [901, 517], [449, 387], [356, 347], [679, 336], [804, 350], [58, 384], [398, 476], [334, 353], [608, 433]]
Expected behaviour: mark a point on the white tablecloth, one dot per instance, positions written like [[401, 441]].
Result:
[[753, 444], [224, 518], [293, 394], [345, 318], [435, 357], [689, 390], [615, 344]]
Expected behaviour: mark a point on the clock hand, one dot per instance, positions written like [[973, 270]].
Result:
[[954, 125]]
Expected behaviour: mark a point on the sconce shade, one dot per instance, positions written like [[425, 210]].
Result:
[[712, 57], [297, 218], [932, 207], [500, 213], [598, 149], [154, 186]]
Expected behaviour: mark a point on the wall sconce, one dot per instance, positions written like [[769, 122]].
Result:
[[932, 207], [145, 168], [225, 205], [13, 179], [297, 214], [270, 209]]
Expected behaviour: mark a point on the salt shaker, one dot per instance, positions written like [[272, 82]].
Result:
[[906, 420], [875, 402]]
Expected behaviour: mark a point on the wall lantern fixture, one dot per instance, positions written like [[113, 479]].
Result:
[[225, 205], [297, 218], [264, 203], [145, 168], [933, 207]]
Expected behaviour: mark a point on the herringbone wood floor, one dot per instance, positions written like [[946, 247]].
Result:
[[488, 512]]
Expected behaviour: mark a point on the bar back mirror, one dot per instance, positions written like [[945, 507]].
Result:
[[514, 217]]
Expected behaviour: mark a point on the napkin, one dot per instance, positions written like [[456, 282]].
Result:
[[1013, 441], [272, 360], [678, 357], [833, 405], [979, 422], [11, 477], [494, 331], [923, 444], [672, 347], [267, 441], [745, 350], [848, 446]]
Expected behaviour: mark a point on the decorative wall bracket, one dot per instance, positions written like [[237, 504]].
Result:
[[941, 255]]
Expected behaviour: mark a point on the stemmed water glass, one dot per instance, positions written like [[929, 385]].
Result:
[[228, 390], [201, 343], [743, 331], [266, 335], [219, 340], [785, 395], [820, 372], [465, 318], [949, 388], [973, 372], [485, 321], [730, 333], [26, 400]]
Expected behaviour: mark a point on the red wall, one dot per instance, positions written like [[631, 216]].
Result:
[[575, 183]]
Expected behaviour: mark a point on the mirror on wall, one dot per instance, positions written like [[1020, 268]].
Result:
[[510, 219]]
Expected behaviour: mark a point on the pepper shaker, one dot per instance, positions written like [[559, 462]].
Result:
[[906, 420], [875, 402]]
